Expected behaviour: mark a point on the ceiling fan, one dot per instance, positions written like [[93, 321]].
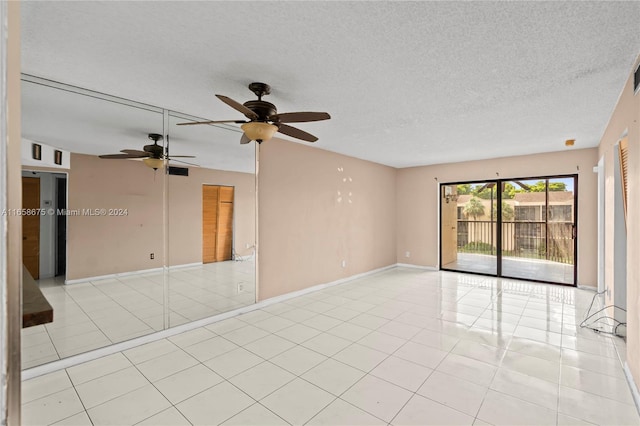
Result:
[[264, 120], [153, 155]]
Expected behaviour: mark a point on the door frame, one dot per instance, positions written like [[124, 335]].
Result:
[[66, 218], [499, 181]]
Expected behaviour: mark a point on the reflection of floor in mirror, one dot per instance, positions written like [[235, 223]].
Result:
[[91, 315], [404, 346]]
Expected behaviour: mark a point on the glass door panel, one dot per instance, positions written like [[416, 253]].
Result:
[[468, 227], [538, 223]]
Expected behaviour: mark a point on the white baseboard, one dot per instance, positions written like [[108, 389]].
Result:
[[185, 265], [111, 276], [588, 288], [408, 265], [317, 287], [243, 258], [131, 273], [633, 386], [122, 346]]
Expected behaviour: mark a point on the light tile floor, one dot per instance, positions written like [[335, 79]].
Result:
[[402, 347], [91, 315]]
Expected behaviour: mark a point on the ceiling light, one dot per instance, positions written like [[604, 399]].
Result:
[[258, 131], [569, 142], [154, 163]]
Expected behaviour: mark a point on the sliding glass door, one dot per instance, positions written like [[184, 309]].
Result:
[[524, 230]]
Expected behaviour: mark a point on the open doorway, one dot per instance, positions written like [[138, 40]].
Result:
[[45, 231]]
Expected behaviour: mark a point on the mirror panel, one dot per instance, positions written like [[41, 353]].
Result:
[[105, 287], [211, 222]]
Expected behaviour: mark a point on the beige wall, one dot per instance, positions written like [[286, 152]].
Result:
[[103, 245], [316, 209], [417, 195], [625, 119]]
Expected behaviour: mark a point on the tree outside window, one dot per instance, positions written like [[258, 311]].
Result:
[[474, 208]]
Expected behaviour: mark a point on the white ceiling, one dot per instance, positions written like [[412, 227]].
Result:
[[406, 83]]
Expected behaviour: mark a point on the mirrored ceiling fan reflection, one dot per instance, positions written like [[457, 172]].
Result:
[[153, 156]]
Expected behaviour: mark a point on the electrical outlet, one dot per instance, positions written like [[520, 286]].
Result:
[[344, 263], [407, 254], [247, 245], [240, 288], [152, 256]]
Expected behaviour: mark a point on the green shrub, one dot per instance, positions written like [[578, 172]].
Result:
[[478, 247]]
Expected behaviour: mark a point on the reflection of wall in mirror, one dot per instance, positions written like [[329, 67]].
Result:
[[104, 245], [185, 213]]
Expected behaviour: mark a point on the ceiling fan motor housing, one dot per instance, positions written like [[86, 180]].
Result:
[[155, 150], [263, 109]]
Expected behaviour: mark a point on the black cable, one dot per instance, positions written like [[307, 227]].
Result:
[[590, 315]]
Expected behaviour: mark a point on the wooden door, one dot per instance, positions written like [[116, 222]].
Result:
[[209, 222], [217, 223], [31, 226], [224, 244]]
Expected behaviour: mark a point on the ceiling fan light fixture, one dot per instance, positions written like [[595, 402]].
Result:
[[154, 163], [258, 131]]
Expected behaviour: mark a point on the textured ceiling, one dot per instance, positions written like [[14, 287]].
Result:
[[406, 83]]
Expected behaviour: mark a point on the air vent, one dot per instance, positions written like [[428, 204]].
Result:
[[636, 80], [178, 171]]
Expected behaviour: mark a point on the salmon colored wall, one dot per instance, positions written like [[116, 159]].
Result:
[[418, 218], [316, 209], [103, 245], [625, 120]]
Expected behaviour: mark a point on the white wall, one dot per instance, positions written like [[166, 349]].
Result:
[[46, 155]]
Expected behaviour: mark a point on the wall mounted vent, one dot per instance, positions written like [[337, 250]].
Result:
[[636, 80], [178, 171]]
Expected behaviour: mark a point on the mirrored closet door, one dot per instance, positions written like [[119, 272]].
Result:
[[124, 251]]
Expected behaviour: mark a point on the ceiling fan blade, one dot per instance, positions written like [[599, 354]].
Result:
[[299, 117], [184, 162], [122, 156], [239, 107], [181, 156], [211, 122], [244, 139], [296, 133], [135, 152]]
